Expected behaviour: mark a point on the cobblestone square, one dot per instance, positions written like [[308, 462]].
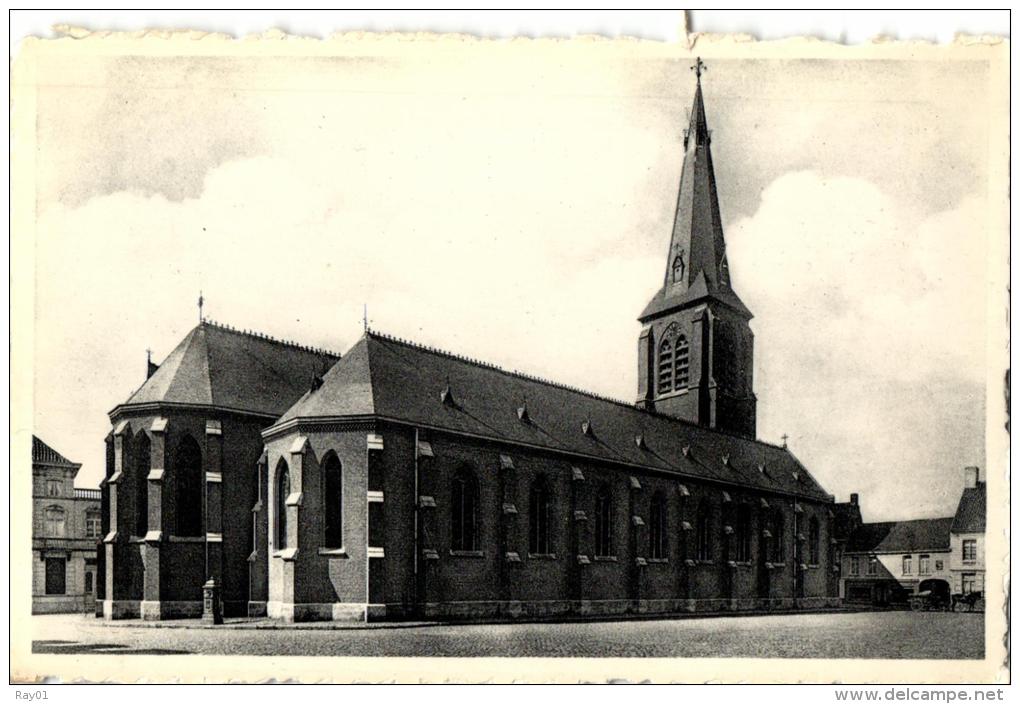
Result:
[[882, 635]]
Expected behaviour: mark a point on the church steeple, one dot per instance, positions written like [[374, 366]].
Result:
[[696, 347], [696, 265]]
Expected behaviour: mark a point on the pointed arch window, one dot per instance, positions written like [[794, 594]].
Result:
[[679, 267], [681, 363], [743, 532], [187, 474], [658, 548], [539, 542], [703, 547], [280, 508], [464, 511], [778, 537], [333, 501], [666, 366], [813, 541], [604, 522]]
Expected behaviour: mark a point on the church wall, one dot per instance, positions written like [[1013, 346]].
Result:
[[177, 565], [471, 575], [392, 581], [242, 447], [305, 586]]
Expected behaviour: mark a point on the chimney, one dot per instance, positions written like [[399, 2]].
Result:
[[970, 477], [853, 499], [150, 367]]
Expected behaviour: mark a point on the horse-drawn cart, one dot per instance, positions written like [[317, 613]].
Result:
[[971, 601], [929, 601]]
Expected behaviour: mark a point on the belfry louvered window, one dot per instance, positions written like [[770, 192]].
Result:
[[666, 366], [681, 364]]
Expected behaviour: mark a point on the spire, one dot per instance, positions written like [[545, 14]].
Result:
[[696, 264]]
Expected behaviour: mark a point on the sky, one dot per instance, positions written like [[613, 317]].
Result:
[[516, 207]]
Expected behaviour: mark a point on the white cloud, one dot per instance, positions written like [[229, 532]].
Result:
[[870, 334]]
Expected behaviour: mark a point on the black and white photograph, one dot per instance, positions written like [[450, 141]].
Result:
[[440, 353]]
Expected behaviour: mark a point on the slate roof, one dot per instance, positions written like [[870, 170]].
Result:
[[846, 517], [970, 512], [902, 536], [389, 378], [44, 454], [215, 365], [697, 229]]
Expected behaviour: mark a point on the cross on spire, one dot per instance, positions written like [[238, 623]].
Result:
[[785, 438], [201, 302], [698, 68]]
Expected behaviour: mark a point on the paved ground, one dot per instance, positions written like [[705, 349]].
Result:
[[891, 634]]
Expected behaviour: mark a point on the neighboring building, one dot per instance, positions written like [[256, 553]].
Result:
[[65, 532], [884, 563], [967, 536], [409, 482], [846, 518]]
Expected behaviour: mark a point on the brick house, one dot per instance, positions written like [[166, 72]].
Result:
[[402, 481], [65, 531]]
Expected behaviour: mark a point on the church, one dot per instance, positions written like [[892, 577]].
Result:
[[398, 481]]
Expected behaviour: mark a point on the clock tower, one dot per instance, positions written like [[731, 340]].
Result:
[[696, 348]]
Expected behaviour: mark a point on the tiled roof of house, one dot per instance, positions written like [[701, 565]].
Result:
[[384, 377], [846, 517], [901, 536], [216, 365], [970, 513], [44, 454]]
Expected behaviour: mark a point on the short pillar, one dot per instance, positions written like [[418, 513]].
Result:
[[212, 607]]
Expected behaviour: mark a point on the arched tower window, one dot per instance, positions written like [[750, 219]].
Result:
[[464, 511], [187, 474], [703, 533], [142, 463], [681, 364], [333, 501], [604, 522], [666, 366], [539, 542], [657, 530], [56, 522], [280, 509], [743, 532], [814, 537]]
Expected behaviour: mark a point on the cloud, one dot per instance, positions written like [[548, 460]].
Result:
[[870, 335]]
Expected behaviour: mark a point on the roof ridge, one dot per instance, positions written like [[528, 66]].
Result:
[[269, 338], [555, 384]]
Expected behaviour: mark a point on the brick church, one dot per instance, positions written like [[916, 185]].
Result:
[[400, 481]]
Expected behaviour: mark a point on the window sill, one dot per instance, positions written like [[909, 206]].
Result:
[[333, 552], [467, 553], [605, 558], [742, 563], [541, 556], [672, 394], [658, 560]]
